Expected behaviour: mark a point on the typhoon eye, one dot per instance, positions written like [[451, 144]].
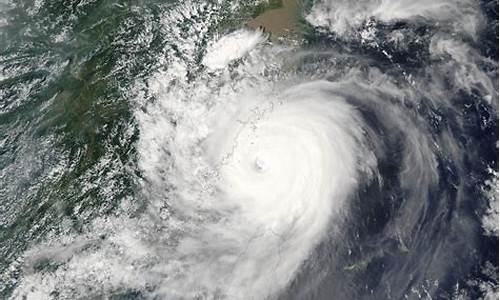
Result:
[[260, 165], [169, 149]]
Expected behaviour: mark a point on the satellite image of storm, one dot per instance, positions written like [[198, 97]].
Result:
[[249, 149]]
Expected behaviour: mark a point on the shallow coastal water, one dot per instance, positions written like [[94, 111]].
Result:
[[280, 21], [172, 150]]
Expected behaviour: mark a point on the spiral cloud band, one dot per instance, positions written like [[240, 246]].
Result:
[[285, 167], [271, 171]]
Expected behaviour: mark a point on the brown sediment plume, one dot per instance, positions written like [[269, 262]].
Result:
[[279, 21]]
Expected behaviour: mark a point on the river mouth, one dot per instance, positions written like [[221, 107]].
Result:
[[169, 149], [281, 21]]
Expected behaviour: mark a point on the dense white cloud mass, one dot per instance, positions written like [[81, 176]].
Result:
[[232, 46], [343, 16], [251, 163]]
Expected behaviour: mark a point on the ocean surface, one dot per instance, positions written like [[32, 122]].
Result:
[[323, 149]]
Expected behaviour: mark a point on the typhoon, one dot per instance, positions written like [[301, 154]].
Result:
[[353, 157]]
